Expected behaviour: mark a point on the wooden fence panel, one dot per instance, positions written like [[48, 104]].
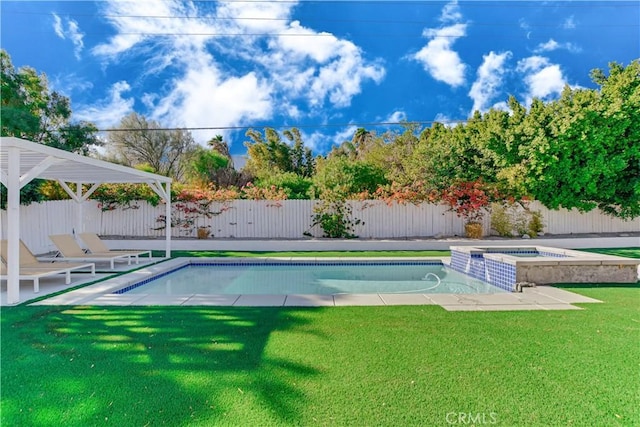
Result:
[[288, 219]]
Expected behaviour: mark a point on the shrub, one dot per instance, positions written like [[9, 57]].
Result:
[[510, 217], [501, 221], [536, 226], [334, 215], [468, 200]]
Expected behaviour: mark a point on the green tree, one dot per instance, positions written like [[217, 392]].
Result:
[[205, 165], [228, 175], [392, 155], [345, 177], [434, 160], [585, 147], [362, 142], [294, 186], [269, 154], [302, 159], [30, 110]]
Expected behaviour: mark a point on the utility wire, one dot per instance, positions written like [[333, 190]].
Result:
[[303, 126], [311, 19]]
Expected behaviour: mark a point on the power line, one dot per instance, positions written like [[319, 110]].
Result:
[[311, 19], [303, 126]]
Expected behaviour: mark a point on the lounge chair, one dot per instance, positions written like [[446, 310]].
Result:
[[70, 250], [97, 246], [32, 269]]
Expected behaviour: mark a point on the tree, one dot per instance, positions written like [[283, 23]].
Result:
[[435, 159], [293, 185], [585, 147], [392, 154], [225, 175], [206, 164], [138, 141], [359, 145], [30, 110], [269, 154], [302, 160], [345, 177]]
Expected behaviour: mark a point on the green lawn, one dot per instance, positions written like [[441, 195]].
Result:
[[395, 365]]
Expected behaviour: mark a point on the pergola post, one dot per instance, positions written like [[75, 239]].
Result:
[[13, 225], [79, 228], [41, 161], [167, 213]]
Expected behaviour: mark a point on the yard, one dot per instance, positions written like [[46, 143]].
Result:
[[395, 365]]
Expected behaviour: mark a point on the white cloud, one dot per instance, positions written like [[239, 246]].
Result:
[[57, 26], [137, 23], [318, 66], [319, 142], [489, 80], [552, 45], [445, 120], [68, 84], [569, 23], [303, 42], [110, 111], [437, 57], [396, 117], [203, 97], [451, 12], [501, 106], [543, 79], [72, 33], [219, 79]]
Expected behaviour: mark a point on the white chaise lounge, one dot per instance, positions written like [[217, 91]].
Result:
[[32, 269], [70, 250], [97, 246]]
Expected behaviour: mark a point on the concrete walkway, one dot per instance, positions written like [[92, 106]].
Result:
[[621, 240], [539, 298]]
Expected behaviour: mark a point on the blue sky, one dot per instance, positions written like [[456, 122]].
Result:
[[326, 67]]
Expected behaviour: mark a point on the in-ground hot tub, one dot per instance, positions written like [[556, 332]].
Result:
[[509, 267]]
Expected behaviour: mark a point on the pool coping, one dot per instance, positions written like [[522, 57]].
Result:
[[102, 293]]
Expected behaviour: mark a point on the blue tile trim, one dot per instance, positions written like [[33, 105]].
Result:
[[314, 263], [263, 264], [497, 273], [500, 274]]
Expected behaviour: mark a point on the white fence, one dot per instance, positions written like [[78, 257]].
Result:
[[289, 219]]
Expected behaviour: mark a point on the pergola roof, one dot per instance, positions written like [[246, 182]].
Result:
[[21, 161], [40, 161]]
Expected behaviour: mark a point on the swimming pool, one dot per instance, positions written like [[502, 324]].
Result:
[[318, 278]]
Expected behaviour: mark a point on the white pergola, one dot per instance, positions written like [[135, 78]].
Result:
[[21, 161]]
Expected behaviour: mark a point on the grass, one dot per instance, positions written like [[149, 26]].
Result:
[[625, 252], [395, 365]]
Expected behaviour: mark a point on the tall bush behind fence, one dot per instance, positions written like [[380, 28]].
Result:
[[287, 219]]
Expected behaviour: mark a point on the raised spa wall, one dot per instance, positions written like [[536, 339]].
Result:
[[501, 266]]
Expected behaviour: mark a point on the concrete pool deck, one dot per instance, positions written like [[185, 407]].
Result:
[[102, 294], [538, 298]]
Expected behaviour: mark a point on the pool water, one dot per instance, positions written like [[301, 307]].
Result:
[[319, 279]]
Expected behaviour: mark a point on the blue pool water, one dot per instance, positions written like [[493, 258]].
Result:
[[312, 278]]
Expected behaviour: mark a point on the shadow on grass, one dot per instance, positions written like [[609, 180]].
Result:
[[145, 365]]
